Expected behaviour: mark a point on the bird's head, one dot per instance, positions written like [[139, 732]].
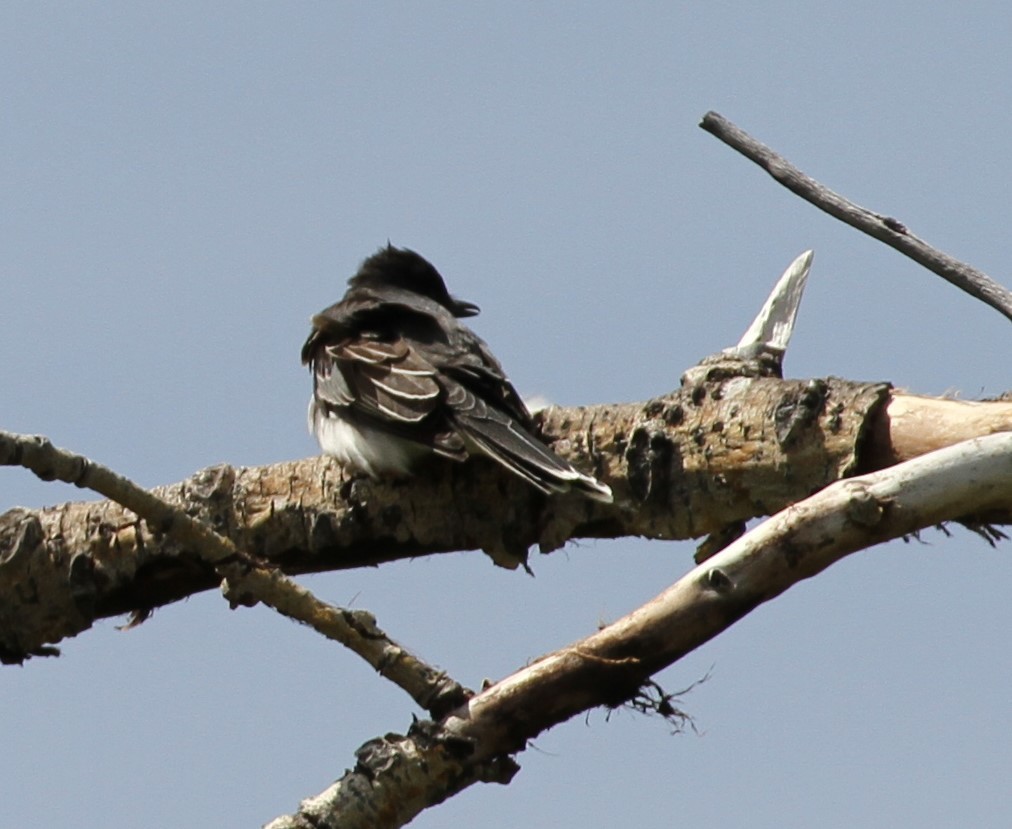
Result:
[[405, 269]]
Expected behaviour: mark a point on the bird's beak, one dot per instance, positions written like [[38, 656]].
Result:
[[322, 322], [462, 308]]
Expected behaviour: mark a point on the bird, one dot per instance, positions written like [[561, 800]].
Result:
[[397, 377]]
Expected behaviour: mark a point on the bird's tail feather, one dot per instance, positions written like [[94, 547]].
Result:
[[527, 457]]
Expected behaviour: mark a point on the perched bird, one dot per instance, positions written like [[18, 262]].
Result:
[[396, 376]]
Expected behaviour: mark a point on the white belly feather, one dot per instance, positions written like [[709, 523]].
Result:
[[361, 447]]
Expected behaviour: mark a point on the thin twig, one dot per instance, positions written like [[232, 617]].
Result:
[[884, 228], [246, 577]]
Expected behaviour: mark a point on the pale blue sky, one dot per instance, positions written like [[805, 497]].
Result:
[[184, 184]]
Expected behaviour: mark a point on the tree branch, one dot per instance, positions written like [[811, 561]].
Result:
[[723, 449], [703, 460], [718, 451], [248, 580], [884, 228], [609, 667]]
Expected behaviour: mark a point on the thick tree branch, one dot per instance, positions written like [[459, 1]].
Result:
[[720, 450], [608, 667], [723, 449], [884, 228]]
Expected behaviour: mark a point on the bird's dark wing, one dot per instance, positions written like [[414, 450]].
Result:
[[386, 380], [484, 409], [466, 359], [506, 440], [379, 377]]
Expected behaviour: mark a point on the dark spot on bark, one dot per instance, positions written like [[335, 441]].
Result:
[[674, 414], [377, 756], [639, 463], [391, 515], [698, 395], [814, 395], [427, 732], [653, 408], [719, 581], [835, 421], [322, 534], [798, 411], [83, 589], [653, 460], [792, 554]]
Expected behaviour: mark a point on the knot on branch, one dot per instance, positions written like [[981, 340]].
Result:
[[799, 410], [755, 361]]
